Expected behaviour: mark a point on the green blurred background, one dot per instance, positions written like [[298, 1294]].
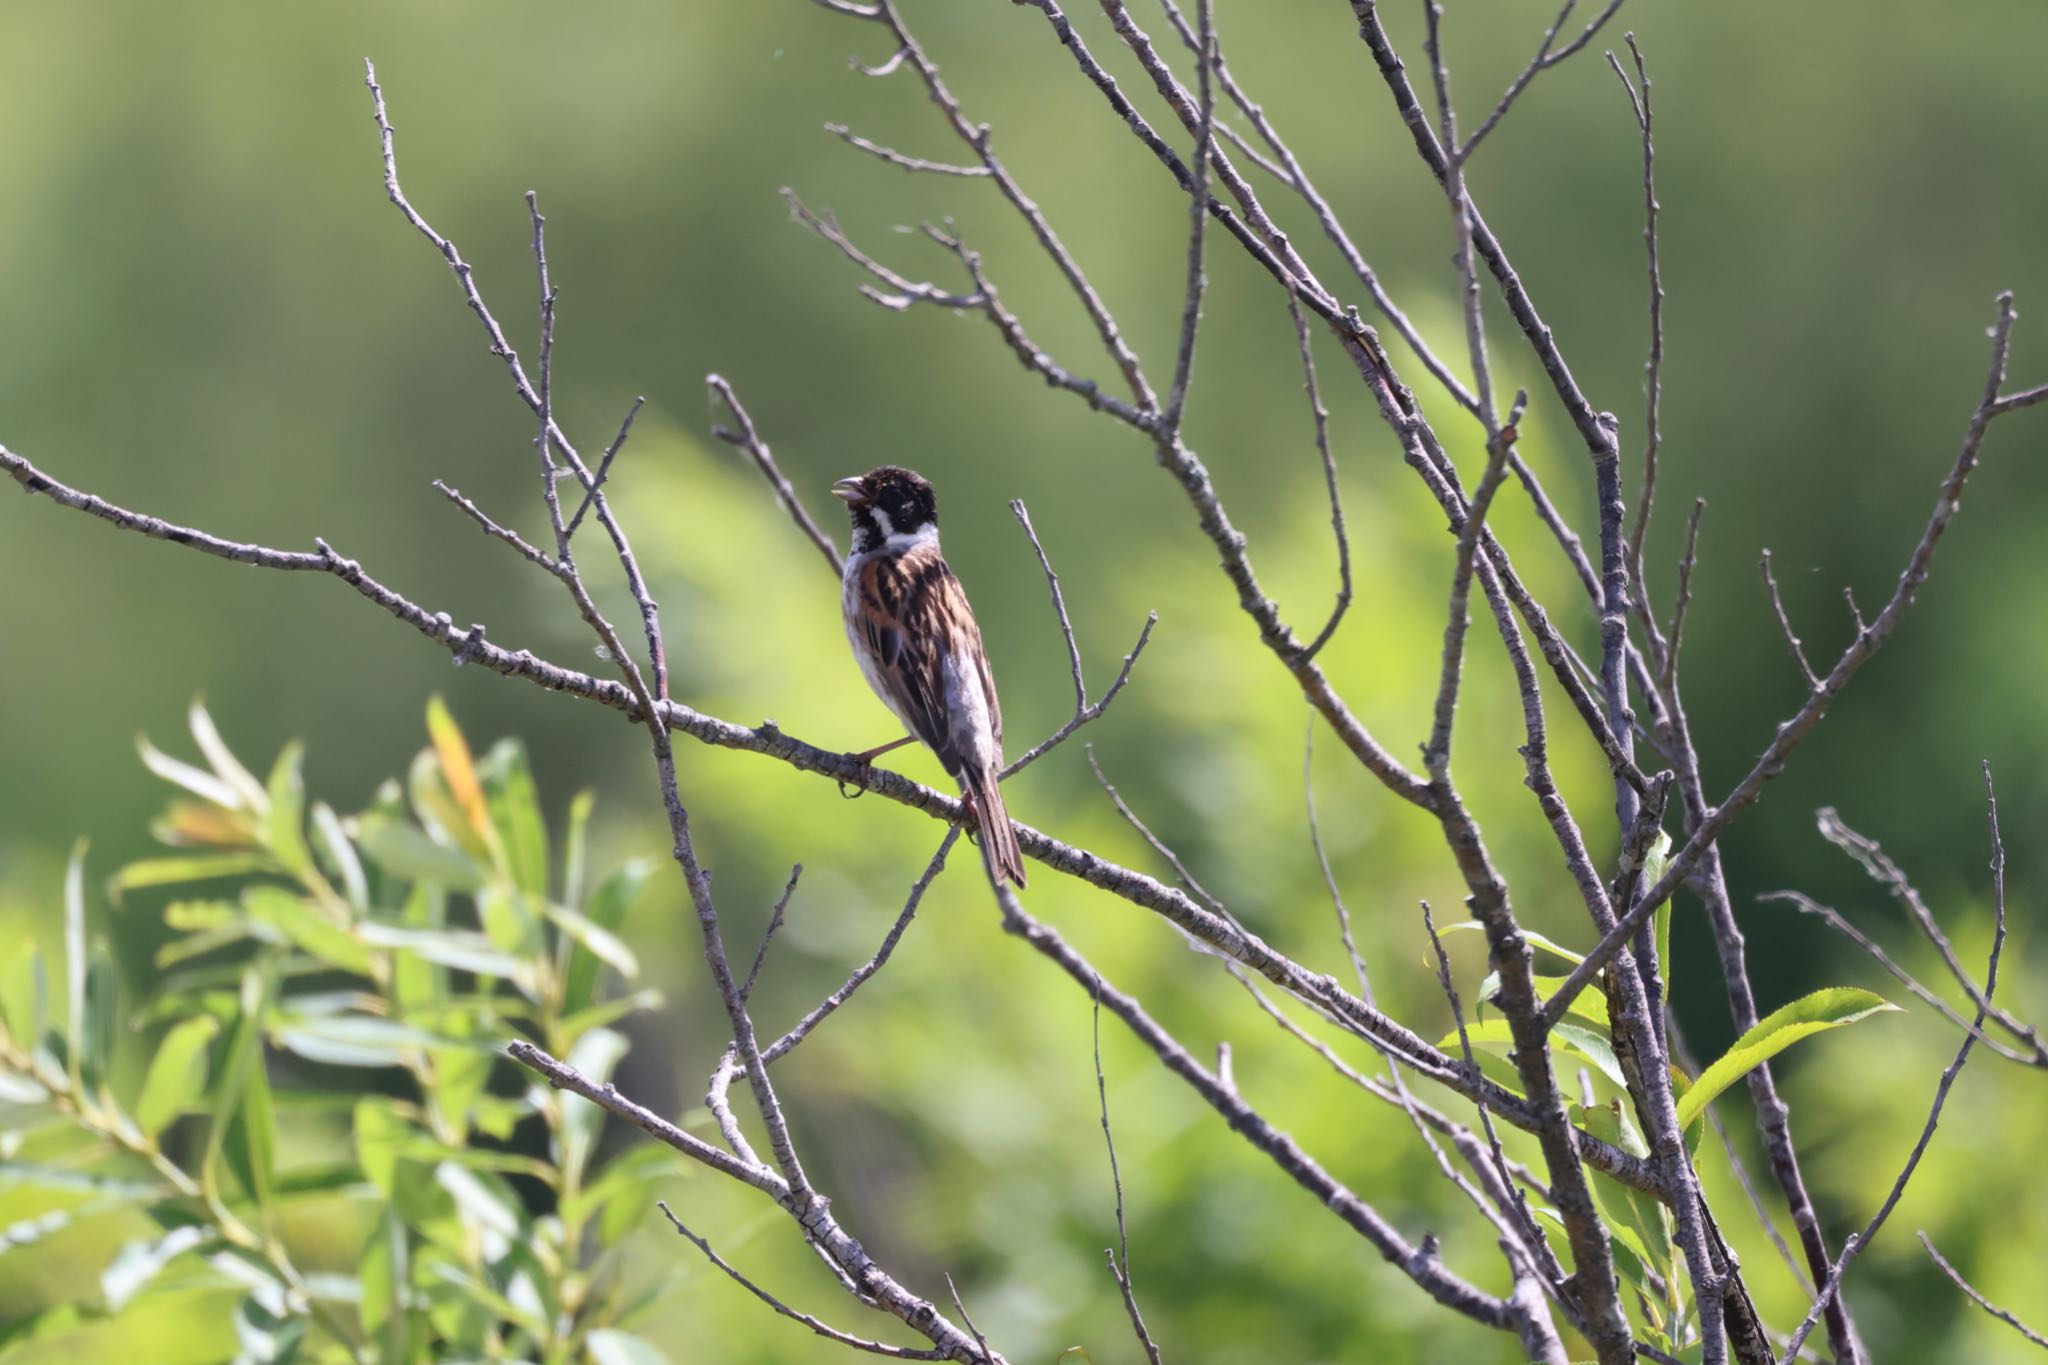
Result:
[[211, 313]]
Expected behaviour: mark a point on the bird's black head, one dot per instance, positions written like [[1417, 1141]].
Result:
[[887, 503]]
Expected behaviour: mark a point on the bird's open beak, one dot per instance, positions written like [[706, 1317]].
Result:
[[850, 489]]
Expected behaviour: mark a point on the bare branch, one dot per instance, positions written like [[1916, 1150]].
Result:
[[830, 1333], [604, 465], [1856, 1242], [781, 1047], [1745, 793], [533, 554], [1321, 416], [1687, 562], [768, 935], [896, 158], [1198, 220], [959, 1303], [1653, 367], [1785, 623], [469, 646], [1420, 1263], [500, 347], [1835, 920], [1119, 1259], [1870, 855], [1987, 1305], [749, 440]]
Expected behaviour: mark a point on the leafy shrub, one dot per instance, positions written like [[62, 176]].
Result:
[[327, 972]]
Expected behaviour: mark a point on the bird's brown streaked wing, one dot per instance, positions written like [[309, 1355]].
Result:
[[910, 604]]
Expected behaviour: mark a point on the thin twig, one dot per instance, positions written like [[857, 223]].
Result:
[[1198, 222], [1870, 855], [749, 440], [1321, 416], [1525, 1219], [796, 870], [1653, 366], [961, 1304], [1785, 622], [469, 646], [1686, 564], [1120, 1258], [1084, 710], [880, 1348], [532, 553], [1987, 1305], [604, 465], [1707, 831], [1839, 922], [896, 158], [824, 1008], [1856, 1242]]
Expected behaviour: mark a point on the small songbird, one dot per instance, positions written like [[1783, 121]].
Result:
[[918, 645]]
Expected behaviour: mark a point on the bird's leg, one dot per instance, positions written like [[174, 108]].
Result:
[[866, 758], [974, 829]]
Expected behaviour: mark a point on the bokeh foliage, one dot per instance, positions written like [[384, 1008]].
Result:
[[326, 1089], [212, 314]]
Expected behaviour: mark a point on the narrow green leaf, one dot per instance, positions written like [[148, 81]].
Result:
[[595, 1055], [355, 1040], [1654, 862], [607, 910], [340, 855], [484, 1199], [1568, 1037], [1624, 1206], [196, 945], [386, 1272], [380, 1132], [487, 1297], [461, 948], [25, 1232], [579, 1023], [576, 848], [1536, 940], [603, 944], [515, 811], [1629, 1256], [102, 1007], [1576, 1040], [241, 1072], [1808, 1015], [509, 922], [22, 994], [225, 764], [416, 983], [177, 871], [307, 926], [75, 960], [29, 1175], [609, 1346], [456, 768], [251, 1145], [405, 852], [177, 1074], [1589, 1006], [266, 1335], [283, 827], [198, 781], [196, 915], [139, 1262]]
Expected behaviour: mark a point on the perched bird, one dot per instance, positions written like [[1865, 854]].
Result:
[[914, 634]]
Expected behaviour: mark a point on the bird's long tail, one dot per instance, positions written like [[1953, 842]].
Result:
[[998, 837]]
